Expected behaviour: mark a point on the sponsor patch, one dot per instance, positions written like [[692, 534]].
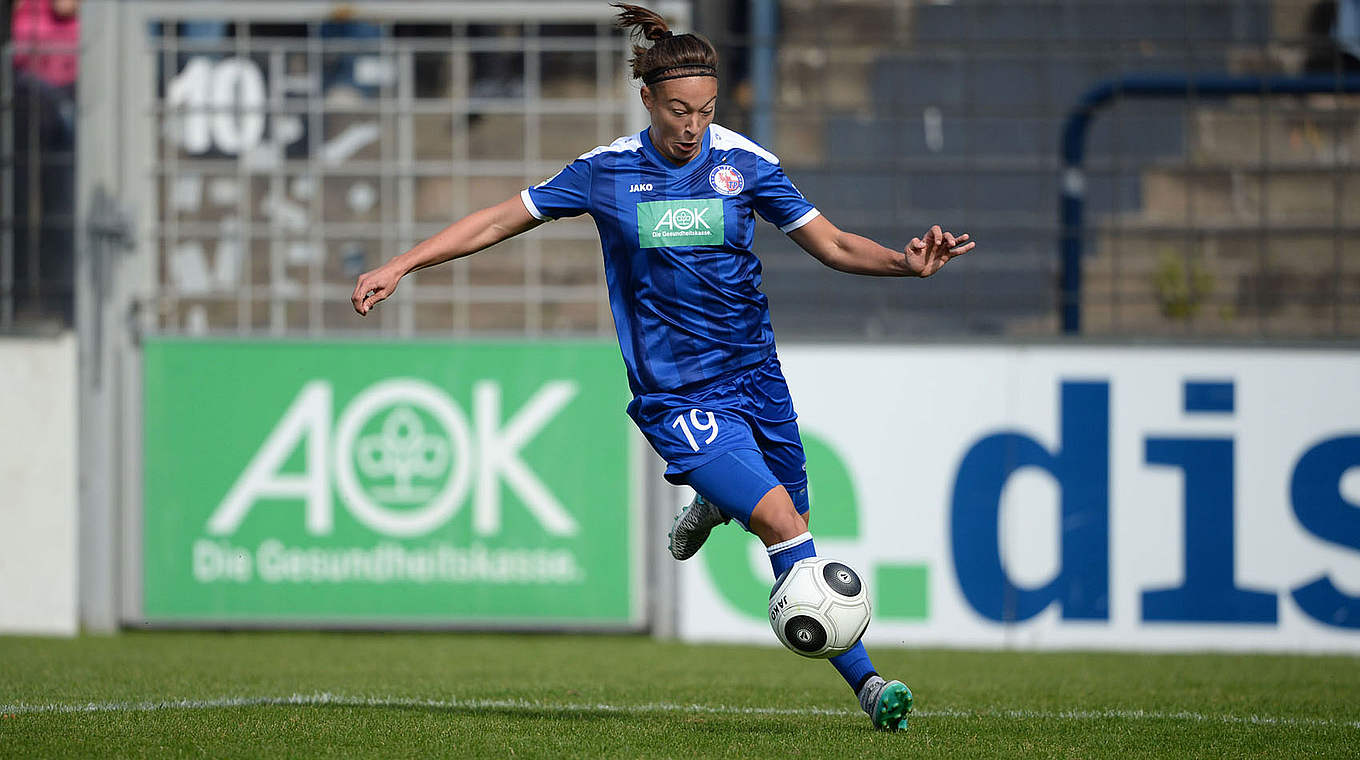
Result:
[[680, 223]]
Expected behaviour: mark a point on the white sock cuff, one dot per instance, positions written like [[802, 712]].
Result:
[[774, 549]]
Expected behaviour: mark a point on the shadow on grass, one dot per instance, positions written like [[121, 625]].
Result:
[[704, 721]]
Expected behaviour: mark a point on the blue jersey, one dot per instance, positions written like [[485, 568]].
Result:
[[684, 286]]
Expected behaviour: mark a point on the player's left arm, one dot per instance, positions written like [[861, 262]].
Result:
[[856, 254]]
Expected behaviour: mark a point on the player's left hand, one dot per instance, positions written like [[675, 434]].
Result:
[[926, 256]]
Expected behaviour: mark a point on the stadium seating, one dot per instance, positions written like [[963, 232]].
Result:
[[962, 125]]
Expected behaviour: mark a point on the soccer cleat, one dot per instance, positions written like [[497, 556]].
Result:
[[691, 527], [887, 703]]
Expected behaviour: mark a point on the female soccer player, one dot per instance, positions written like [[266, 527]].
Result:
[[675, 207]]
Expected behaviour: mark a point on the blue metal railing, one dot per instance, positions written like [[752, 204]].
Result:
[[1149, 86]]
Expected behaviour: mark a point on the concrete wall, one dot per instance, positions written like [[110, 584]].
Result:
[[38, 470]]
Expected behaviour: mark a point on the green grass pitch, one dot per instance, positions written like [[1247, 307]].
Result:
[[172, 694]]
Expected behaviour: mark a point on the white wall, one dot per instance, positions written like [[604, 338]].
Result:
[[1273, 497], [38, 471]]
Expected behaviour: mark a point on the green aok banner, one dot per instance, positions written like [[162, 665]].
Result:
[[362, 482]]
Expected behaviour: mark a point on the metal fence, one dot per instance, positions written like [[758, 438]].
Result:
[[282, 149], [292, 148], [294, 156]]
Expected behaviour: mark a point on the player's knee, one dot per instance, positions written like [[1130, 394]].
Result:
[[775, 519]]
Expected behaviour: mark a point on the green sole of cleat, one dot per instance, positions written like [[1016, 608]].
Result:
[[893, 705]]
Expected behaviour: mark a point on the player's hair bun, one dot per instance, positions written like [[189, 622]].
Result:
[[646, 23], [678, 55]]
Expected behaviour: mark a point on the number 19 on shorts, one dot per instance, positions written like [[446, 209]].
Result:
[[710, 425]]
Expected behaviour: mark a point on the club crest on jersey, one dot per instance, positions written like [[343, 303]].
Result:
[[726, 179]]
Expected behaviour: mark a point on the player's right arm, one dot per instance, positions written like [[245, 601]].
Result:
[[474, 232]]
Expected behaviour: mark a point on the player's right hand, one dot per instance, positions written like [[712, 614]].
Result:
[[374, 286]]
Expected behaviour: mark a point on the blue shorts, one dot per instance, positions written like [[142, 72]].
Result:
[[732, 440]]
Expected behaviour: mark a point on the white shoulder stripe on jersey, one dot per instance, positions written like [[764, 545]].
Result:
[[625, 143], [726, 139], [800, 221], [531, 208]]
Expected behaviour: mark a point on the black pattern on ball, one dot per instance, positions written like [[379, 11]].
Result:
[[805, 634], [841, 579]]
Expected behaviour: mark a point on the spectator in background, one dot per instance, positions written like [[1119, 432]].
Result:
[[46, 37]]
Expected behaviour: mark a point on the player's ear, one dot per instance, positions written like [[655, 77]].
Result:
[[647, 97]]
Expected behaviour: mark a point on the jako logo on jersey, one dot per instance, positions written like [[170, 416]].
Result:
[[726, 179], [645, 187], [680, 223]]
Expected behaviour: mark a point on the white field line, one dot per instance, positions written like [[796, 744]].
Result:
[[526, 706]]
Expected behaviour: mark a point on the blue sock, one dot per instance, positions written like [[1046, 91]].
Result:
[[785, 553], [854, 666]]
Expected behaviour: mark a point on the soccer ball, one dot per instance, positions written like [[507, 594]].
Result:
[[819, 608]]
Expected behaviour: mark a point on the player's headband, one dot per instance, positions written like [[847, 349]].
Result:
[[686, 69]]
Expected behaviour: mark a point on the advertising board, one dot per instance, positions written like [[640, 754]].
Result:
[[378, 483], [1048, 497]]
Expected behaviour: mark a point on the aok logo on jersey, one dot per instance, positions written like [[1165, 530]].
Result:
[[680, 223]]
